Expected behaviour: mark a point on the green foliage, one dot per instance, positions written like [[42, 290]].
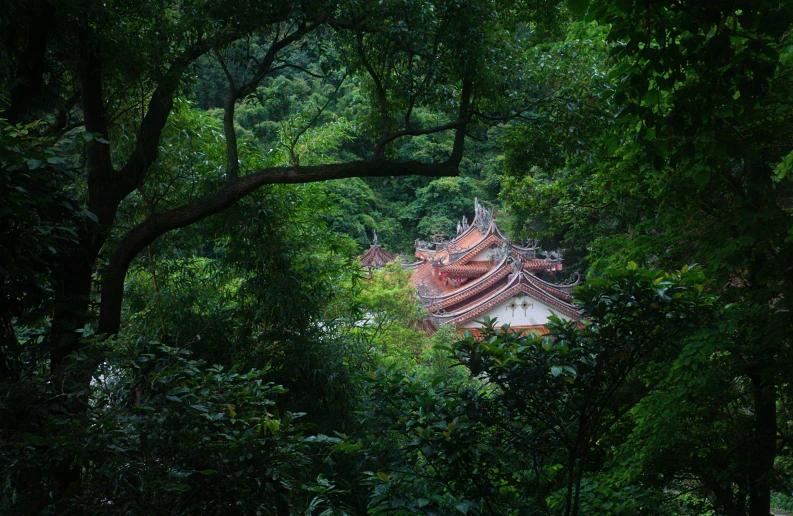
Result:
[[390, 320], [295, 120], [537, 422], [692, 169], [36, 223], [256, 295], [652, 133], [358, 210], [166, 433], [547, 188], [441, 204]]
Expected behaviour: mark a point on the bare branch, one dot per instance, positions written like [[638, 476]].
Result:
[[225, 70], [460, 124], [382, 100], [230, 132], [456, 124], [159, 108], [520, 113], [314, 119], [264, 67], [285, 64]]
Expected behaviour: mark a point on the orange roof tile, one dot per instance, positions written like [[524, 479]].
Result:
[[451, 279], [467, 270]]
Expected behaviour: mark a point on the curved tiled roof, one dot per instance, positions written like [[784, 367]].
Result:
[[475, 288], [561, 291], [540, 264], [566, 288], [442, 293], [412, 265], [376, 257], [522, 282], [467, 270], [451, 278], [485, 241]]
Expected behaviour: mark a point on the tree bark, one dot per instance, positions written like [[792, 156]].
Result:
[[764, 445], [74, 272]]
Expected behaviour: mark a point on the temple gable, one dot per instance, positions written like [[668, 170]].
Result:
[[481, 273], [517, 311]]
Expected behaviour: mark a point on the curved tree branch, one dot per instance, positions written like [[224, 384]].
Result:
[[233, 190], [160, 223], [456, 124]]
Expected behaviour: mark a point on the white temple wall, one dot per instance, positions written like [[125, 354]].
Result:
[[517, 311], [485, 255]]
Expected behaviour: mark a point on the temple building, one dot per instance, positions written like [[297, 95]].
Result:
[[376, 257], [481, 273]]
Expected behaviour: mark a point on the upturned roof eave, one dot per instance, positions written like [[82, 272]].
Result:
[[376, 257], [521, 282], [473, 284]]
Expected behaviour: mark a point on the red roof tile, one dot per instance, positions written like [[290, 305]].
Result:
[[451, 279], [376, 257]]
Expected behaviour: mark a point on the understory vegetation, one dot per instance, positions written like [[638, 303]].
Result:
[[185, 327]]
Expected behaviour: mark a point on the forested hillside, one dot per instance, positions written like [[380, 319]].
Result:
[[187, 185]]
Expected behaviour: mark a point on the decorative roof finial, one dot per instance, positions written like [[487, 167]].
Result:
[[375, 257]]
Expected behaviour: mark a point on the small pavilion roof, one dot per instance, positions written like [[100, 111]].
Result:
[[376, 257]]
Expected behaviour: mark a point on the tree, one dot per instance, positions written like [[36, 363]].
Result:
[[710, 99], [388, 318], [695, 170], [107, 78], [37, 221], [100, 89], [539, 417]]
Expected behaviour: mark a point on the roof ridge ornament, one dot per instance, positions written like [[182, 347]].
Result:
[[554, 255], [572, 281], [567, 285], [502, 251], [516, 263], [532, 244], [376, 257], [483, 217], [436, 261]]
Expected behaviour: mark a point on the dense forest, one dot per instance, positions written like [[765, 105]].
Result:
[[185, 327]]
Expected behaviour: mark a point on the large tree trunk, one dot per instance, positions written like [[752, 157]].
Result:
[[763, 445]]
